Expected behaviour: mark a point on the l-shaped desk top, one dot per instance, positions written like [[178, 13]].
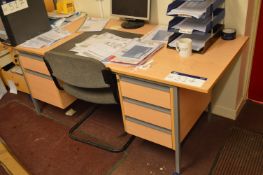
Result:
[[210, 65]]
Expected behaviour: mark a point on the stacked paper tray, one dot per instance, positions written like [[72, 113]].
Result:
[[201, 41], [187, 8], [181, 24], [199, 20]]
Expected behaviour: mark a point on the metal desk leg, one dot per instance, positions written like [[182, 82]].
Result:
[[209, 111], [35, 101], [177, 131], [36, 105]]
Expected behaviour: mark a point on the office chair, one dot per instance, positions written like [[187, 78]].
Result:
[[87, 79]]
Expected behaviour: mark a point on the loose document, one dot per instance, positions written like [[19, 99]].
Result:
[[46, 39], [93, 24]]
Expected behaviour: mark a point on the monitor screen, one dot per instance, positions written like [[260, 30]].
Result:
[[135, 9]]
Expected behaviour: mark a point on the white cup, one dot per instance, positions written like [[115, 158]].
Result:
[[184, 47]]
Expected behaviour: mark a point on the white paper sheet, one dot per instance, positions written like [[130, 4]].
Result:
[[3, 90], [14, 6], [93, 24], [186, 79], [12, 87]]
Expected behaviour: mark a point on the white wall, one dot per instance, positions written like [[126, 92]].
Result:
[[226, 101], [158, 9]]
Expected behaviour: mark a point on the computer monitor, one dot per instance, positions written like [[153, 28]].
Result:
[[134, 11]]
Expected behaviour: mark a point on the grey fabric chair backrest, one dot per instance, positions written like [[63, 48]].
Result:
[[75, 70]]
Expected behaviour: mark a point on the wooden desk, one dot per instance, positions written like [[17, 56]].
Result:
[[155, 109]]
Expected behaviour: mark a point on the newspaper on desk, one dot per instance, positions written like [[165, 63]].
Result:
[[93, 24], [100, 47], [46, 39], [136, 52], [159, 33]]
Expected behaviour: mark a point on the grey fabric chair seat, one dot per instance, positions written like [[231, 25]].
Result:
[[98, 96]]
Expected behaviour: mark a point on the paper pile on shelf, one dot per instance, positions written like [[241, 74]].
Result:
[[198, 41], [93, 24], [189, 24], [159, 33], [136, 52], [192, 8], [46, 39], [100, 47]]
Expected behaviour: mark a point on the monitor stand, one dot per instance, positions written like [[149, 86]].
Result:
[[132, 24]]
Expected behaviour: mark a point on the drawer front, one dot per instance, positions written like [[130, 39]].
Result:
[[43, 88], [148, 132], [145, 92], [33, 63], [147, 113], [18, 79]]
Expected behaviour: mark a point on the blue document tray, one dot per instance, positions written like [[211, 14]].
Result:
[[196, 25], [210, 38], [208, 11]]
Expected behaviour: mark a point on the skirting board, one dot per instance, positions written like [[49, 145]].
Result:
[[228, 112]]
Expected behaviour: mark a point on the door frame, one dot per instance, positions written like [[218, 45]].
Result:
[[252, 22]]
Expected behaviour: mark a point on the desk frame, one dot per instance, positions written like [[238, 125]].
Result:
[[222, 56], [177, 130]]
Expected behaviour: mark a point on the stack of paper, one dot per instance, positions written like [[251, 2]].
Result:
[[46, 39], [93, 24], [192, 8], [100, 47], [136, 52]]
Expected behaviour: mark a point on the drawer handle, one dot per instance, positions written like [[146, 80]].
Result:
[[143, 83], [38, 74], [155, 127], [147, 105], [34, 57]]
